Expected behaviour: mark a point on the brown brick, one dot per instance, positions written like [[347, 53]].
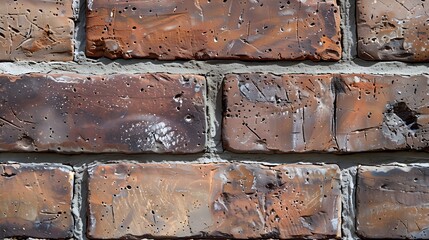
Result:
[[194, 29], [288, 113], [392, 202], [393, 30], [375, 112], [115, 113], [35, 201], [36, 30], [214, 200]]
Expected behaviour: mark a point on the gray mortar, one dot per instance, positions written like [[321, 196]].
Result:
[[348, 211], [215, 70], [79, 202], [79, 10]]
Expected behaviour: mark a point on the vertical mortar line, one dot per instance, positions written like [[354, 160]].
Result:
[[348, 203], [79, 10], [348, 209], [347, 21], [214, 111], [79, 202], [352, 28]]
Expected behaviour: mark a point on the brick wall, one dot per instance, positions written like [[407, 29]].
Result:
[[214, 119]]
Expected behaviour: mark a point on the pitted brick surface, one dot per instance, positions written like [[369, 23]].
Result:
[[195, 29], [214, 200], [115, 113], [392, 202], [393, 30], [36, 30], [377, 112], [338, 112], [288, 113], [35, 201]]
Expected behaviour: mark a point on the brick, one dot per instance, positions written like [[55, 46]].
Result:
[[35, 201], [392, 202], [393, 30], [36, 30], [194, 29], [269, 113], [115, 113], [213, 200], [375, 112]]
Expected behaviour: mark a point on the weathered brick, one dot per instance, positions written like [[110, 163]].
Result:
[[392, 202], [194, 29], [115, 113], [377, 112], [288, 113], [393, 30], [214, 200], [36, 30], [35, 201]]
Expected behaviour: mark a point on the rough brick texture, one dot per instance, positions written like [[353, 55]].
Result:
[[393, 30], [194, 29], [36, 30], [392, 202], [214, 200], [345, 112], [382, 112], [288, 113], [115, 113], [35, 201]]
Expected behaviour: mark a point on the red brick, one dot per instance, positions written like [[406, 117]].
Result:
[[194, 29], [214, 200], [35, 201], [375, 112], [393, 30], [115, 113], [36, 30], [392, 202], [288, 113]]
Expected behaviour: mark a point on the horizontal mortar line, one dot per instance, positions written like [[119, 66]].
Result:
[[344, 161], [217, 67]]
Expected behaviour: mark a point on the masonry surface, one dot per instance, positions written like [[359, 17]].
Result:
[[214, 119]]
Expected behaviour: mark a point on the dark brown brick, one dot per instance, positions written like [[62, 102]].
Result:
[[392, 202], [375, 112], [36, 30], [115, 113], [214, 200], [35, 201], [393, 30], [194, 29], [288, 113]]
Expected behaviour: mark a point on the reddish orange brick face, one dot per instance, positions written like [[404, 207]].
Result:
[[213, 200], [392, 202], [393, 30], [36, 30], [194, 29], [35, 201], [341, 112], [377, 112], [288, 113]]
